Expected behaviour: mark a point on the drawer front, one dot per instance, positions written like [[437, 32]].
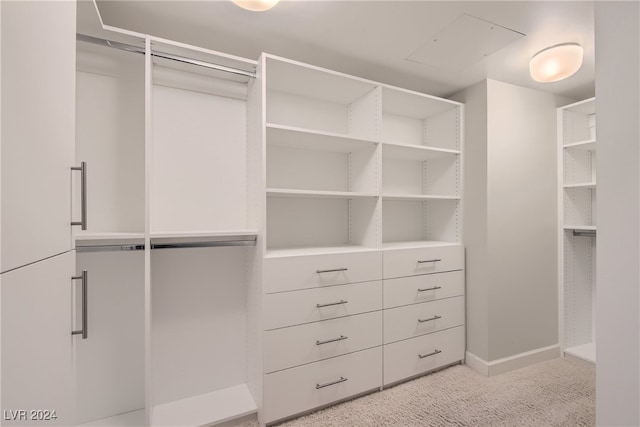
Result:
[[412, 357], [419, 319], [311, 305], [409, 262], [313, 271], [423, 288], [300, 389], [297, 345]]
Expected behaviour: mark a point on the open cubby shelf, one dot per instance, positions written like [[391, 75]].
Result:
[[352, 163]]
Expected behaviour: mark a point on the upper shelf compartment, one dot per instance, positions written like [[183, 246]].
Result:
[[316, 99], [415, 119], [579, 123]]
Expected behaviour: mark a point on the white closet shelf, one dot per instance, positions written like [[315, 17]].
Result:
[[309, 81], [585, 352], [206, 409], [589, 145], [581, 185], [128, 419], [84, 238], [416, 197], [317, 194], [403, 102], [317, 250], [416, 244], [308, 139], [393, 150], [580, 227]]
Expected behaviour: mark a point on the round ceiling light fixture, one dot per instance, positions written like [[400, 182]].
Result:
[[256, 5], [556, 62]]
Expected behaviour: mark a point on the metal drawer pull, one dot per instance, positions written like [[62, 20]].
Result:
[[342, 301], [83, 195], [85, 315], [428, 260], [342, 337], [430, 289], [341, 380], [333, 270], [422, 356], [429, 319]]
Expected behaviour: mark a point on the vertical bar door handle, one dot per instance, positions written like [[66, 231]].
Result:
[[83, 195], [84, 277]]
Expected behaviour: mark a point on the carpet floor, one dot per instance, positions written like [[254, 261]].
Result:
[[559, 392]]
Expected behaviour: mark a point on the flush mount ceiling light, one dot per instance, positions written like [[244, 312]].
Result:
[[556, 62], [256, 5]]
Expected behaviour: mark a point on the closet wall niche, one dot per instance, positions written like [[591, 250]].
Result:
[[201, 244], [110, 139]]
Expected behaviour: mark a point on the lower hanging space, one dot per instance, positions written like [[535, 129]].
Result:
[[199, 336], [109, 362], [580, 294]]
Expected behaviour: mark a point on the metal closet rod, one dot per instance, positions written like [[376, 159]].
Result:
[[584, 233], [170, 56], [109, 248], [212, 244]]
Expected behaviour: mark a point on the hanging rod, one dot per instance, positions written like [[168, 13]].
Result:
[[584, 233], [211, 244], [109, 248], [170, 56]]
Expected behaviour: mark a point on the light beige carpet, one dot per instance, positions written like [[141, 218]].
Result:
[[559, 392]]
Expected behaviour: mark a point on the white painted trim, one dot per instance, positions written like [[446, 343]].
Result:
[[477, 364], [511, 363]]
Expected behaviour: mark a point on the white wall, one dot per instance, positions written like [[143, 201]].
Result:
[[475, 224], [511, 205], [618, 276]]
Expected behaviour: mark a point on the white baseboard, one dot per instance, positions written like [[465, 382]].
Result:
[[517, 361]]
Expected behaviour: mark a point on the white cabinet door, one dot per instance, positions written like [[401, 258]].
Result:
[[37, 368], [37, 122]]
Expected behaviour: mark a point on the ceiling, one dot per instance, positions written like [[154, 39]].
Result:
[[381, 40]]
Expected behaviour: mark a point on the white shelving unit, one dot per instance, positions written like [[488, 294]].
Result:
[[202, 236], [353, 169], [577, 219]]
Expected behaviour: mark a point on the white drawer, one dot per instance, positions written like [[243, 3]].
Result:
[[412, 357], [419, 319], [312, 271], [310, 305], [423, 288], [297, 345], [409, 262], [300, 389]]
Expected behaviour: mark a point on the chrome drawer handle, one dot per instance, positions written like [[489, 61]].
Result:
[[84, 332], [83, 195], [342, 337], [428, 260], [422, 356], [341, 380], [429, 319], [430, 289], [332, 270], [342, 301]]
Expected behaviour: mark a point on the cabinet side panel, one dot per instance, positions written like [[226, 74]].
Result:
[[37, 371], [38, 111]]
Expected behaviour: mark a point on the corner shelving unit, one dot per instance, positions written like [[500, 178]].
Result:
[[577, 228]]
